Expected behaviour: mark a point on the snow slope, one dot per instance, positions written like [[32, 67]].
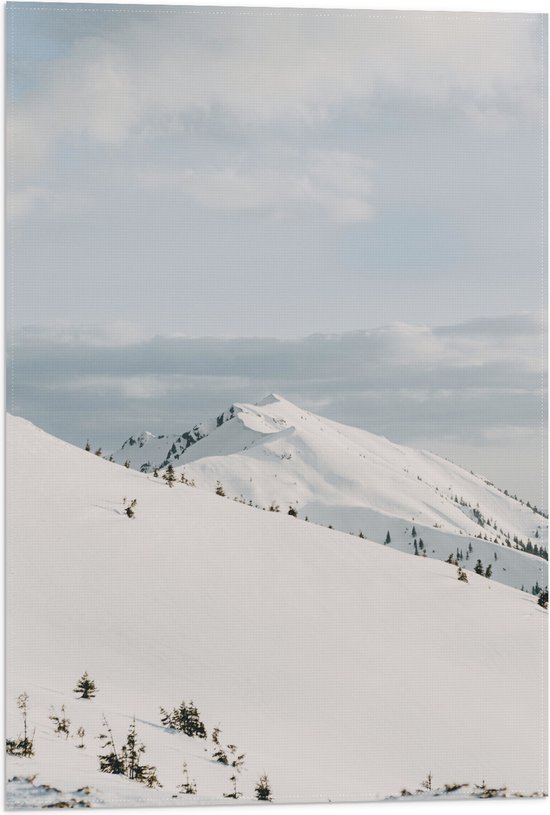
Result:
[[345, 670], [354, 481]]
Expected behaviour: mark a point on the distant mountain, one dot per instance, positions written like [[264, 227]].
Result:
[[342, 669], [276, 454]]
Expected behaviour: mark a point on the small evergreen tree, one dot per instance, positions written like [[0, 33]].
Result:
[[86, 687], [478, 567], [128, 762], [169, 476], [22, 745], [292, 511], [188, 787], [234, 791], [156, 472], [489, 571], [87, 447], [263, 789], [274, 507], [361, 534], [462, 575], [220, 490], [61, 722], [543, 599], [427, 783], [388, 538], [127, 464], [109, 762], [219, 753], [98, 451], [80, 734], [413, 533]]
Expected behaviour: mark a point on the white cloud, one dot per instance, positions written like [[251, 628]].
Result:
[[333, 181]]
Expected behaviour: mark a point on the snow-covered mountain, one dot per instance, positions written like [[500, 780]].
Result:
[[275, 453], [344, 670]]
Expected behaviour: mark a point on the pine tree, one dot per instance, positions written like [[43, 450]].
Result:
[[98, 451], [361, 534], [86, 687], [478, 567], [263, 789], [415, 548], [388, 538], [87, 447], [127, 464], [185, 719], [427, 783], [413, 533], [220, 490], [292, 511], [543, 599], [61, 722], [169, 476], [489, 571], [156, 472]]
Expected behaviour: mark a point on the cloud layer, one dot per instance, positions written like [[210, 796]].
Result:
[[473, 388]]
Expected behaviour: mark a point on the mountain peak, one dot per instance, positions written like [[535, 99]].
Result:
[[270, 399]]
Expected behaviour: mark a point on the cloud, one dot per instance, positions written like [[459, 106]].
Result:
[[332, 181], [133, 75]]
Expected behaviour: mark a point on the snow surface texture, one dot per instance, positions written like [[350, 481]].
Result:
[[353, 481], [344, 669]]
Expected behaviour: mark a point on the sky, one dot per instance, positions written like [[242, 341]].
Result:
[[206, 205]]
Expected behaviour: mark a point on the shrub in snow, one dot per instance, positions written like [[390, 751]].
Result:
[[80, 735], [61, 724], [292, 511], [169, 476], [220, 490], [22, 745], [188, 787], [274, 507], [86, 687], [262, 789], [543, 599], [462, 575], [129, 507], [185, 719]]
